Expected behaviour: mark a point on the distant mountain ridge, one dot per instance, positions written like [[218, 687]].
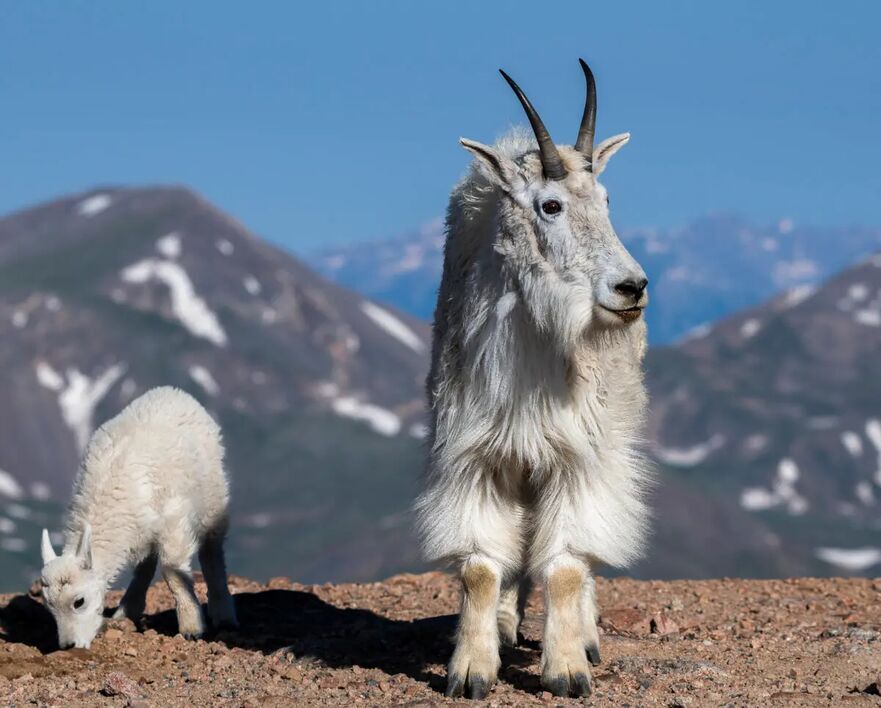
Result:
[[766, 424], [698, 274]]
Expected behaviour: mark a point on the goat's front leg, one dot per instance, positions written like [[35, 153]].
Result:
[[475, 663], [189, 611], [564, 667]]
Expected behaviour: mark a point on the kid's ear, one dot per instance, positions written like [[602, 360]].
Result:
[[46, 549], [84, 548], [497, 168], [606, 149]]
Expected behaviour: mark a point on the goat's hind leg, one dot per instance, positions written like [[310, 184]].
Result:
[[591, 633], [221, 608], [134, 601], [512, 604], [475, 663]]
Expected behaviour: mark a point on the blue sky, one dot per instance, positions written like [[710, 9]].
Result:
[[338, 121]]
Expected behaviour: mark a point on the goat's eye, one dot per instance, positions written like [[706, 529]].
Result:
[[607, 200], [78, 603], [551, 206]]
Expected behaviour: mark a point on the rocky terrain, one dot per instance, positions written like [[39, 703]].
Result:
[[811, 642], [699, 273]]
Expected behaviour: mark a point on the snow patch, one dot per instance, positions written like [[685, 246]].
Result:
[[850, 559], [47, 377], [770, 244], [852, 443], [782, 492], [858, 292], [93, 205], [17, 511], [225, 247], [864, 493], [689, 456], [393, 326], [169, 245], [788, 272], [873, 432], [379, 419], [755, 443], [9, 487], [797, 295], [699, 332], [81, 396], [41, 491], [750, 328], [19, 319], [785, 226], [190, 309], [869, 318], [7, 525], [252, 285], [203, 377]]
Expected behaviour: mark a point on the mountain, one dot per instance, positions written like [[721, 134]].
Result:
[[775, 414], [766, 425], [319, 391], [708, 270]]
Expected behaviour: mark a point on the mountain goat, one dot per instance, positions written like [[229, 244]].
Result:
[[151, 488], [536, 400]]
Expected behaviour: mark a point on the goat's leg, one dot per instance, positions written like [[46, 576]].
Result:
[[189, 611], [135, 599], [512, 603], [221, 608], [591, 633], [564, 667], [475, 663]]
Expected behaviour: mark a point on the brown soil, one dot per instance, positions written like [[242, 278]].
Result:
[[720, 642]]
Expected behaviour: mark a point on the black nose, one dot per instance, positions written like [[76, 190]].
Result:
[[632, 288]]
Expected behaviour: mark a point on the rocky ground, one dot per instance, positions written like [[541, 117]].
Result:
[[684, 643]]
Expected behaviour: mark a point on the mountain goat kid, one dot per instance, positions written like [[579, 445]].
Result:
[[536, 400], [151, 488]]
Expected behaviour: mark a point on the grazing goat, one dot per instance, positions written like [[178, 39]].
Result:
[[151, 488], [536, 400]]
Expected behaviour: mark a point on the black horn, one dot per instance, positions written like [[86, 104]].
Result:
[[584, 143], [551, 162]]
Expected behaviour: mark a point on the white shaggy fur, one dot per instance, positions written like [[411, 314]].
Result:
[[151, 489], [537, 403]]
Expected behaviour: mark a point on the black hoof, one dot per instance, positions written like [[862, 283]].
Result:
[[478, 688], [191, 636], [593, 654], [559, 686], [455, 686], [581, 685]]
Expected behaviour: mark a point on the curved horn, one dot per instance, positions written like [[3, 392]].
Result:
[[551, 162], [584, 143]]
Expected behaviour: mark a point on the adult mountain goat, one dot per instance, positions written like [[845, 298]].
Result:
[[536, 399]]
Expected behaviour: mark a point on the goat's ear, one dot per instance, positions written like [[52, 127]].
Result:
[[497, 168], [46, 549], [606, 149], [84, 548]]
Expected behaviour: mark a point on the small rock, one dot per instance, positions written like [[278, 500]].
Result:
[[130, 651], [118, 684], [113, 634], [663, 625], [625, 621]]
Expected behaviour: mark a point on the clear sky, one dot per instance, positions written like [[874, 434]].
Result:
[[329, 122]]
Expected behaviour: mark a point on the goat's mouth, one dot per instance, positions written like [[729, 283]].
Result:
[[628, 314]]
